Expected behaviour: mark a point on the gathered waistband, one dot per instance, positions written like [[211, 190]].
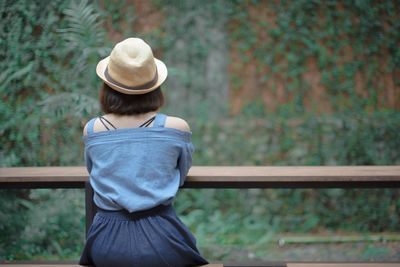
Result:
[[126, 215]]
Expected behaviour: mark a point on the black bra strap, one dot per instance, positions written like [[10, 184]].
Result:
[[145, 124], [148, 122], [101, 120]]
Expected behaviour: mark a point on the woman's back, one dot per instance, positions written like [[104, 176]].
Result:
[[136, 168], [135, 121]]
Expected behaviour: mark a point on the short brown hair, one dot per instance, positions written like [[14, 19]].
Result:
[[112, 101]]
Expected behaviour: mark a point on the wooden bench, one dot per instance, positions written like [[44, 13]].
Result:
[[222, 177], [377, 264], [73, 265]]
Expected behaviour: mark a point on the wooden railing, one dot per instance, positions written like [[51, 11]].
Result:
[[218, 177], [224, 177]]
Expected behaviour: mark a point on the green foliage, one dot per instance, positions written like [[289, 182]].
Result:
[[12, 222], [47, 84], [194, 43], [121, 16], [339, 139], [226, 221], [48, 80], [344, 38], [83, 31], [42, 224]]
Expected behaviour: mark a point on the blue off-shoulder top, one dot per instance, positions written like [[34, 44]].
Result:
[[137, 168]]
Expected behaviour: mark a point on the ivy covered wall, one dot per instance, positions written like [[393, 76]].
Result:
[[323, 56], [260, 82]]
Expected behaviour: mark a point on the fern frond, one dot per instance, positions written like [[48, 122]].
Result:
[[11, 74], [84, 26], [84, 39], [67, 104]]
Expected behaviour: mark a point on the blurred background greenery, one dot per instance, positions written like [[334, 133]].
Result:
[[303, 82]]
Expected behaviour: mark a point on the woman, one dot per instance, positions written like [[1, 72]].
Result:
[[137, 158]]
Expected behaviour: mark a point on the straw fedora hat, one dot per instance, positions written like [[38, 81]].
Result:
[[131, 68]]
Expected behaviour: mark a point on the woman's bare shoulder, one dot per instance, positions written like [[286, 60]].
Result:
[[94, 126], [85, 129], [177, 123]]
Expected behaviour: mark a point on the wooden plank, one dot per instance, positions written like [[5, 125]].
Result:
[[221, 265], [74, 265], [344, 264], [225, 176], [43, 174], [294, 173], [38, 265], [255, 264], [222, 173], [337, 238], [294, 176], [369, 264]]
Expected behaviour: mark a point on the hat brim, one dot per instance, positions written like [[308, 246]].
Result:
[[162, 73]]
